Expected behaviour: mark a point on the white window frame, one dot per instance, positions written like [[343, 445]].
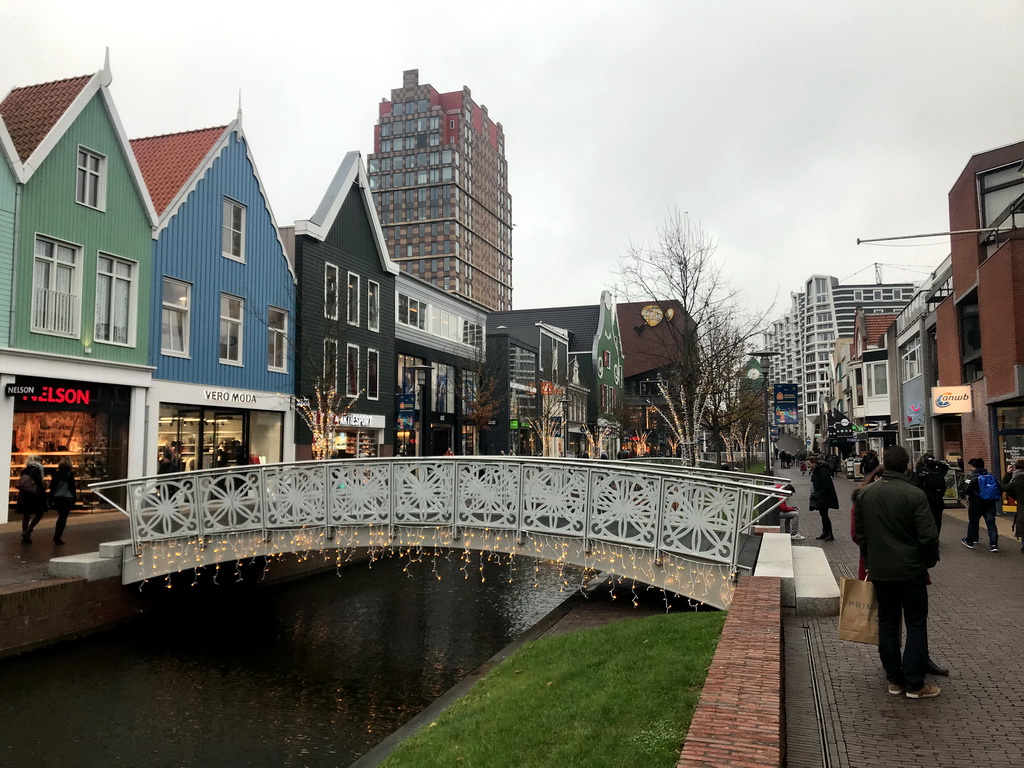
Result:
[[349, 378], [239, 322], [132, 307], [352, 307], [84, 173], [277, 341], [871, 368], [46, 299], [227, 227], [910, 356], [372, 305], [372, 394], [176, 308], [331, 312]]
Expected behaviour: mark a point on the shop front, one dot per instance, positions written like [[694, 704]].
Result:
[[82, 421], [201, 427], [358, 435]]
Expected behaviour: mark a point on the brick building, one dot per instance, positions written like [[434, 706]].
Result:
[[980, 326], [440, 185]]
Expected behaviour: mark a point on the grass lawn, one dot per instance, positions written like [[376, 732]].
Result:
[[613, 697]]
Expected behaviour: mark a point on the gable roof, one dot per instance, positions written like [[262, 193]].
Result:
[[648, 347], [350, 173], [31, 112], [875, 327], [168, 161], [33, 119], [581, 322]]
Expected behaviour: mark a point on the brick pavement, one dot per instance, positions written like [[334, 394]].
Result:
[[838, 712]]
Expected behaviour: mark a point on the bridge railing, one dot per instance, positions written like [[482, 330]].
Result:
[[682, 511]]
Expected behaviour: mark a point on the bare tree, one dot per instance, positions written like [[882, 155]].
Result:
[[704, 351]]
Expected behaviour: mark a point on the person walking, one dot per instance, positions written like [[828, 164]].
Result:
[[982, 492], [1013, 484], [930, 477], [31, 497], [823, 495], [899, 543], [63, 496], [868, 462]]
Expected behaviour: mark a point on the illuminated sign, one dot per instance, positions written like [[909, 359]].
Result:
[[223, 396], [951, 400], [38, 393]]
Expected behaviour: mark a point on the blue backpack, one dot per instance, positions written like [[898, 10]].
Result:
[[988, 487]]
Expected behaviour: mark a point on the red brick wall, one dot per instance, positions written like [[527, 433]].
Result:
[[976, 427], [41, 613], [1001, 308], [947, 336], [738, 721]]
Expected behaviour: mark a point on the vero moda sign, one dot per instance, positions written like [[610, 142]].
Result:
[[951, 400]]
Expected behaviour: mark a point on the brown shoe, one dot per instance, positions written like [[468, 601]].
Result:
[[925, 692], [895, 690]]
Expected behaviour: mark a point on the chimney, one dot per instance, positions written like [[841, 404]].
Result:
[[410, 78]]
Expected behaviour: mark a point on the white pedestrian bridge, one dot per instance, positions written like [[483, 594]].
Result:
[[663, 524]]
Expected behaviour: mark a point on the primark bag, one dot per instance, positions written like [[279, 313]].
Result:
[[858, 611]]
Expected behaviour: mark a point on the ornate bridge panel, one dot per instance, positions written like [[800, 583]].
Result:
[[676, 527]]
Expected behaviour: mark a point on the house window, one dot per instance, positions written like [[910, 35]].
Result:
[[91, 179], [330, 363], [55, 286], [997, 191], [233, 232], [277, 339], [878, 384], [174, 317], [330, 291], [372, 305], [372, 374], [231, 329], [353, 299], [115, 299], [911, 357], [352, 370]]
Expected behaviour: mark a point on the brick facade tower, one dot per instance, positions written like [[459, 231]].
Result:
[[440, 183]]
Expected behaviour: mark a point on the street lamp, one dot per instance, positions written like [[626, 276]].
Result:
[[764, 358], [565, 401], [421, 387]]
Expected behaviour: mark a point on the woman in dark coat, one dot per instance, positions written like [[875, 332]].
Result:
[[31, 497], [823, 495], [63, 496]]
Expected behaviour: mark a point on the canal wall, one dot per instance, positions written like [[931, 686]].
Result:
[[49, 611]]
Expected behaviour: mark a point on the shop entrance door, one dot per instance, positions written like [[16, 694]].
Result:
[[226, 439]]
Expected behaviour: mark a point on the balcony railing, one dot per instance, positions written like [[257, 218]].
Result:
[[55, 312]]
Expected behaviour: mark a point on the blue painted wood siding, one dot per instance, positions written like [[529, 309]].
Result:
[[189, 249]]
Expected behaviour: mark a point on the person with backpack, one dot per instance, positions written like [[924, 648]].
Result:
[[930, 477], [63, 496], [1013, 484], [982, 492], [31, 497]]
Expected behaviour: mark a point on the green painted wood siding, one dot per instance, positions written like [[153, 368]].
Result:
[[8, 197], [121, 229]]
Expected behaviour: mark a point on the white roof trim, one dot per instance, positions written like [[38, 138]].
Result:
[[10, 153], [351, 171]]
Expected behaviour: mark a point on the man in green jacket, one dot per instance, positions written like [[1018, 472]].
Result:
[[899, 543]]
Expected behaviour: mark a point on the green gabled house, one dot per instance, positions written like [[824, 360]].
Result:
[[76, 251]]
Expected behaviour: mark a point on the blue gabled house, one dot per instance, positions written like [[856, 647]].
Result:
[[224, 306]]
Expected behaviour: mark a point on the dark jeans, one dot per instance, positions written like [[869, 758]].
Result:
[[35, 517], [63, 508], [826, 523], [973, 524], [909, 600]]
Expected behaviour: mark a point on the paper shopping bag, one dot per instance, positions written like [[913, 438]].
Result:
[[858, 611]]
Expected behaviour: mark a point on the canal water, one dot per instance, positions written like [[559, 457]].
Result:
[[310, 673]]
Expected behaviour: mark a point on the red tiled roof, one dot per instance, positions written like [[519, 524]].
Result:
[[875, 326], [31, 112], [168, 161]]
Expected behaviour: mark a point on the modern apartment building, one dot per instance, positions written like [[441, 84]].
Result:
[[806, 337], [440, 184]]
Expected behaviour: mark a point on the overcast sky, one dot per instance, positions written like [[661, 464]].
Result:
[[788, 129]]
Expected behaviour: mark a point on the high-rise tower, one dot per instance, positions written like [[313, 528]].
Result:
[[440, 183]]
